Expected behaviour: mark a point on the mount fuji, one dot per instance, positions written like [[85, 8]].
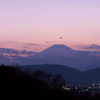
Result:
[[63, 55]]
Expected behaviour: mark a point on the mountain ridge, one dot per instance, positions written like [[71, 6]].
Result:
[[71, 75]]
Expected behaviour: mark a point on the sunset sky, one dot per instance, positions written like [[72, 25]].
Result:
[[34, 22]]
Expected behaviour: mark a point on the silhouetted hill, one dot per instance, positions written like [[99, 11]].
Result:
[[16, 84]]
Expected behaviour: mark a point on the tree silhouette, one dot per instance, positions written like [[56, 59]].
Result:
[[16, 84], [58, 81]]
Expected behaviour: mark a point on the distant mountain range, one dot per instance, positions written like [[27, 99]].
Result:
[[71, 75], [56, 54]]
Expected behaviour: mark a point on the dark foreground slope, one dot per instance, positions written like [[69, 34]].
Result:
[[19, 85], [16, 84]]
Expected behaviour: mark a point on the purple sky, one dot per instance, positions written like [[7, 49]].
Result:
[[39, 21]]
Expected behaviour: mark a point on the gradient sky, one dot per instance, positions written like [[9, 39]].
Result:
[[39, 21]]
